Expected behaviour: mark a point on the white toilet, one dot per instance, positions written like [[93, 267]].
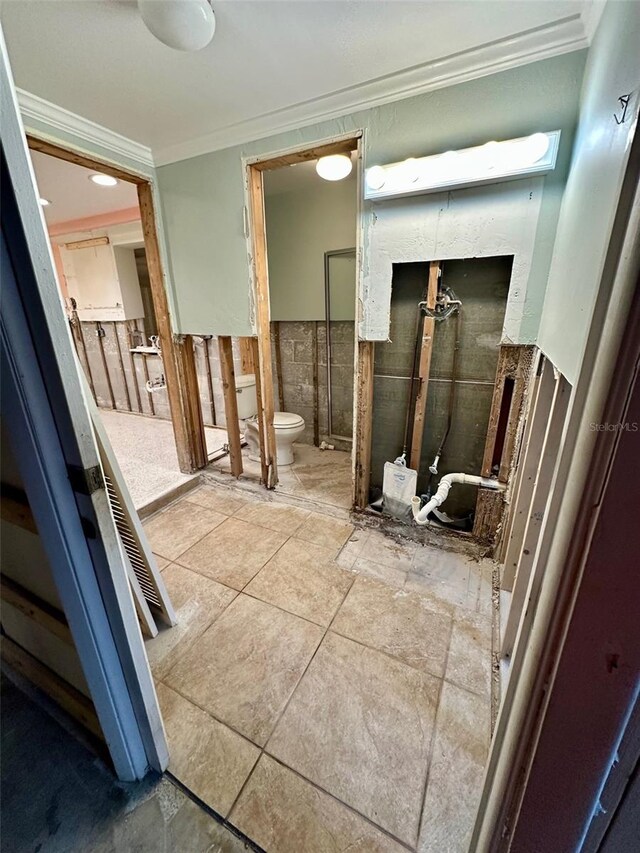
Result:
[[287, 426]]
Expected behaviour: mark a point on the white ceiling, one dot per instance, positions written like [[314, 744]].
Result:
[[97, 59], [73, 195]]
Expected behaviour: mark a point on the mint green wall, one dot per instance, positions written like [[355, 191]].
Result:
[[301, 226], [203, 197], [593, 187]]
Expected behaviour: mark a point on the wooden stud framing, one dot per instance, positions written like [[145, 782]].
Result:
[[103, 357], [177, 356], [426, 348], [246, 355], [230, 403], [134, 372], [340, 146], [277, 354], [261, 281], [528, 468], [540, 498], [364, 403], [264, 469], [121, 362], [76, 704], [33, 607], [207, 367], [316, 401]]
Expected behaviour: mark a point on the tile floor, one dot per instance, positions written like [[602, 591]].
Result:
[[327, 687], [146, 452], [322, 476]]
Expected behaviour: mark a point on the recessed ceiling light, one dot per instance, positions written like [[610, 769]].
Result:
[[103, 180], [44, 202], [335, 167]]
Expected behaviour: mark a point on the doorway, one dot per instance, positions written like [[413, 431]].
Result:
[[304, 235], [101, 227]]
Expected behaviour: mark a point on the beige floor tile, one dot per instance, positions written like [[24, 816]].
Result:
[[275, 516], [207, 757], [220, 500], [460, 752], [469, 662], [411, 627], [301, 578], [359, 725], [352, 549], [244, 668], [193, 830], [391, 575], [456, 596], [177, 528], [388, 552], [197, 600], [161, 562], [447, 566], [234, 552], [286, 814], [325, 530]]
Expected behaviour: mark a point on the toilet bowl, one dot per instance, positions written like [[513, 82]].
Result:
[[287, 426]]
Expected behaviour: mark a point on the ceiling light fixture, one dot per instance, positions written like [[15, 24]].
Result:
[[181, 24], [335, 167], [44, 202], [490, 163], [103, 180]]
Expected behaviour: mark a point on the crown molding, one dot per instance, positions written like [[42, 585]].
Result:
[[562, 36], [34, 108]]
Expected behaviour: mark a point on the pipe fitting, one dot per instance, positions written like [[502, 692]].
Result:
[[421, 516]]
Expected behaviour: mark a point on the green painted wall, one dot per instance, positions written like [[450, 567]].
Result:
[[203, 197], [301, 226]]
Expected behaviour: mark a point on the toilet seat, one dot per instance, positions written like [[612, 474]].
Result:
[[283, 421]]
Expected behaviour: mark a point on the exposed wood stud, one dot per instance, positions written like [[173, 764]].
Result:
[[64, 694], [85, 161], [364, 410], [207, 367], [543, 479], [261, 282], [90, 243], [33, 607], [178, 359], [121, 362], [230, 404], [426, 348], [316, 405], [134, 372], [103, 357], [343, 146], [14, 508], [145, 371], [246, 355], [81, 348], [536, 432], [277, 351], [264, 468]]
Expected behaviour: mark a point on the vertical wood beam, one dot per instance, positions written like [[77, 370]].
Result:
[[277, 351], [103, 357], [246, 355], [363, 422], [178, 358], [261, 282], [121, 363], [426, 348], [207, 366], [264, 468], [539, 502], [230, 403], [316, 392]]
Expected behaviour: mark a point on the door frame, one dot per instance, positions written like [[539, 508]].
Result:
[[178, 358], [253, 168]]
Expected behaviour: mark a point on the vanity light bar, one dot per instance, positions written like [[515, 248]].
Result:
[[483, 164]]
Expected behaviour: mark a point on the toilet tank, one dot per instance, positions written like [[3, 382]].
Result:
[[246, 396]]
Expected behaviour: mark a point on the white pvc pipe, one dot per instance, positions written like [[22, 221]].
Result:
[[444, 486]]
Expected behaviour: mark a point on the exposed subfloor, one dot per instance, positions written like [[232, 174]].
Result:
[[326, 688], [57, 797], [318, 476], [146, 452]]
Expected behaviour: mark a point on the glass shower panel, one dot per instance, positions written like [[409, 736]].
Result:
[[340, 300]]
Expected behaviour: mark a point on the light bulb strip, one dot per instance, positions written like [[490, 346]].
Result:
[[484, 164]]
